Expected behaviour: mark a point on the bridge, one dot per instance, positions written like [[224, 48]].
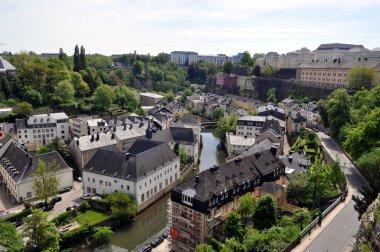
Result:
[[206, 125]]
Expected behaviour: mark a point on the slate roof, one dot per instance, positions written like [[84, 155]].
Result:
[[176, 134], [226, 176], [271, 188], [25, 164], [189, 119], [271, 124], [6, 65], [296, 162], [296, 116], [143, 158], [310, 106], [85, 143], [345, 64], [341, 46]]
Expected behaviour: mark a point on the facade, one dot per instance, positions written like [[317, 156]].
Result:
[[236, 144], [295, 123], [146, 171], [97, 126], [83, 148], [193, 122], [249, 126], [271, 110], [227, 81], [126, 135], [5, 111], [43, 128], [17, 167], [219, 59], [78, 126], [150, 99], [199, 205], [310, 112], [333, 51], [295, 58], [181, 58], [7, 69], [272, 59], [332, 74]]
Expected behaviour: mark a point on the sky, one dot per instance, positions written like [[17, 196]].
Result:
[[204, 26]]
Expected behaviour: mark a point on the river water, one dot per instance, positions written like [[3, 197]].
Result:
[[155, 218]]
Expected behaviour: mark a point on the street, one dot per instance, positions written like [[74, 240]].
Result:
[[339, 234]]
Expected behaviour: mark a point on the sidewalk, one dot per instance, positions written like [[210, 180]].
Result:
[[317, 230]]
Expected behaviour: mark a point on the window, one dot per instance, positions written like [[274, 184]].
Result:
[[28, 195], [101, 182], [88, 189], [109, 183], [63, 132], [142, 197], [121, 186], [147, 194], [115, 181], [93, 180], [128, 187], [88, 179]]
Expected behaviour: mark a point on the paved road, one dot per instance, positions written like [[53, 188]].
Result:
[[339, 234]]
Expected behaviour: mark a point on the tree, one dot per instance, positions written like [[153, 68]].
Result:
[[338, 110], [232, 244], [46, 182], [228, 67], [65, 91], [322, 108], [300, 216], [81, 88], [183, 156], [318, 177], [256, 71], [41, 232], [246, 207], [265, 215], [24, 108], [102, 235], [369, 164], [10, 240], [33, 97], [297, 189], [337, 176], [140, 112], [246, 59], [126, 98], [268, 71], [82, 58], [137, 68], [123, 207], [362, 77], [103, 97], [217, 114], [76, 59], [5, 87], [233, 226], [169, 97], [222, 127], [204, 248], [271, 95], [362, 203]]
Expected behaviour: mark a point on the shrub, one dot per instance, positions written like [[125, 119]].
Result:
[[64, 218], [75, 236], [18, 216]]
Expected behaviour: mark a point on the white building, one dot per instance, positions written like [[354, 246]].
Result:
[[78, 126], [310, 112], [5, 111], [97, 126], [17, 167], [43, 129], [147, 171], [328, 52], [238, 144], [249, 126], [295, 58]]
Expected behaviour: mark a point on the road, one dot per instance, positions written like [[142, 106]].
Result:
[[339, 234]]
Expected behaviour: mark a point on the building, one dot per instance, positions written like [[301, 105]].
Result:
[[147, 171], [193, 122], [183, 137], [271, 110], [126, 135], [218, 59], [181, 58], [97, 126], [200, 205], [7, 69], [236, 144], [295, 58], [84, 148], [332, 74], [295, 163], [295, 123], [329, 52], [272, 59], [249, 126], [310, 112], [78, 126], [150, 99], [17, 168], [226, 81], [43, 128], [5, 111]]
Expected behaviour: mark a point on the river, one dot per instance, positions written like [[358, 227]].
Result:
[[155, 218]]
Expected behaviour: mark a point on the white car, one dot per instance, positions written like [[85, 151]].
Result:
[[86, 196]]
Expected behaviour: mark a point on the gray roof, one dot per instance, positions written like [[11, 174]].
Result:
[[189, 119], [176, 134], [344, 64], [340, 46], [85, 143], [296, 116], [143, 158], [6, 65], [295, 163], [271, 187], [271, 124], [310, 106], [25, 164]]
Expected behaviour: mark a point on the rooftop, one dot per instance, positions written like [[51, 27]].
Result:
[[152, 95], [90, 142]]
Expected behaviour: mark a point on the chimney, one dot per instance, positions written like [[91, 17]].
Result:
[[77, 142], [273, 149], [290, 159], [130, 126], [97, 137], [92, 138], [257, 154], [125, 127], [299, 151], [197, 179], [238, 161]]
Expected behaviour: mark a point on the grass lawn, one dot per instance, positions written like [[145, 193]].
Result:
[[91, 217]]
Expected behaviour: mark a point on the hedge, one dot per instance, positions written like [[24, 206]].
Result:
[[18, 216], [75, 236]]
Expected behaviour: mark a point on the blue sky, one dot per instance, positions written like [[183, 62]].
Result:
[[204, 26]]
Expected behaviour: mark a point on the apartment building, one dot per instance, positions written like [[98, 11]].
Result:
[[333, 51], [146, 171], [43, 128], [200, 205], [249, 126]]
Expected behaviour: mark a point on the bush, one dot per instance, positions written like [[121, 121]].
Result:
[[75, 236], [64, 218], [84, 206]]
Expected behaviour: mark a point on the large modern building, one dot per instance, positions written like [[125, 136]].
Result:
[[200, 205], [182, 58], [17, 168], [147, 171], [43, 128]]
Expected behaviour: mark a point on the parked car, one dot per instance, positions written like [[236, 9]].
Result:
[[48, 207], [69, 209], [79, 179], [156, 241], [165, 234], [86, 196], [18, 223], [67, 189], [145, 248], [75, 206], [56, 199], [40, 205]]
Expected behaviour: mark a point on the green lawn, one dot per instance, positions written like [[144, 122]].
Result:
[[91, 217]]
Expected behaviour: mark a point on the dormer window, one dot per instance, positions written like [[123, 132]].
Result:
[[42, 120], [187, 196]]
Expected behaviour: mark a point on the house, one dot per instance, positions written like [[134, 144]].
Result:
[[96, 126], [148, 170], [43, 128], [183, 137], [295, 123], [249, 126], [199, 205], [310, 112], [286, 104], [236, 144], [275, 190], [126, 135], [150, 99], [271, 110], [83, 148], [190, 121], [296, 162], [17, 168]]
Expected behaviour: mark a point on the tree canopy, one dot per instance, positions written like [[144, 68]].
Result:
[[46, 181], [265, 214], [228, 67], [362, 77]]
